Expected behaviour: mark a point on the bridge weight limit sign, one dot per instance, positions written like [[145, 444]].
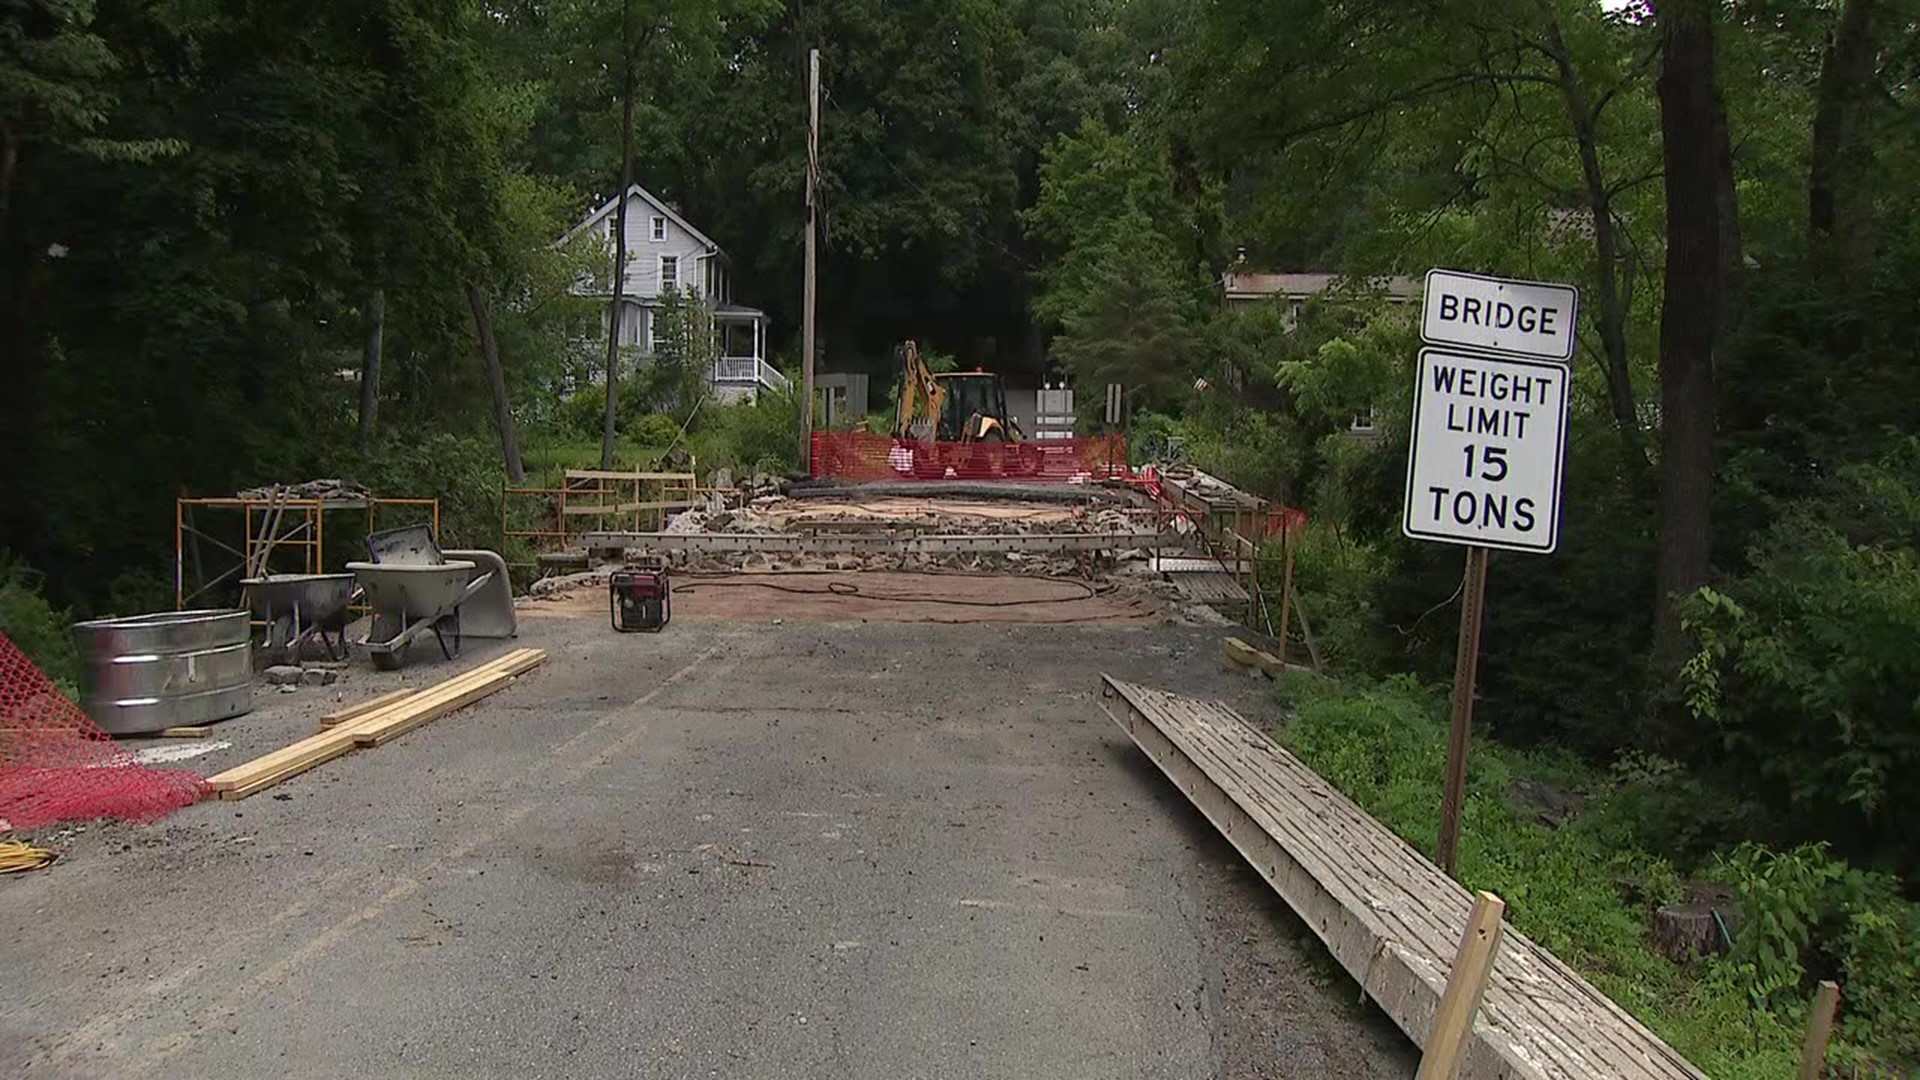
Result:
[[1487, 456]]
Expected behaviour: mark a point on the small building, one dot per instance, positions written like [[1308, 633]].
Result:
[[666, 253], [1242, 286]]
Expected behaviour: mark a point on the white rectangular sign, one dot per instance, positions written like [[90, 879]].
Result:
[[1531, 318], [1489, 442]]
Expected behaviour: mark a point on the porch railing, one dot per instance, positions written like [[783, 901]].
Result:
[[747, 369]]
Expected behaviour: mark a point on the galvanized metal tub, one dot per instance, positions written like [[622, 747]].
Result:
[[147, 672]]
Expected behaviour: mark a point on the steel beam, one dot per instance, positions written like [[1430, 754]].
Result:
[[938, 544]]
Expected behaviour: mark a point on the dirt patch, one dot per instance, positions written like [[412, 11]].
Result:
[[878, 596]]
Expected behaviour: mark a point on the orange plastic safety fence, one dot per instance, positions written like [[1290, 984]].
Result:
[[862, 457], [55, 765]]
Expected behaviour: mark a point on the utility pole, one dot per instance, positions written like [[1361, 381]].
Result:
[[806, 323]]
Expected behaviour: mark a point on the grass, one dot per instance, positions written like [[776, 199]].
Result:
[[1384, 744]]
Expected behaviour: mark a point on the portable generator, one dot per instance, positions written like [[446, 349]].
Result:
[[640, 596]]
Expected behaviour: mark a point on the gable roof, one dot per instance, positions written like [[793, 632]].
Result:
[[1255, 285], [651, 200]]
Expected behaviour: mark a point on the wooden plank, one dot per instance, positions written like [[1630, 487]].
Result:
[[1466, 985], [339, 740], [1813, 1053], [1383, 910], [1242, 654], [1211, 588], [269, 769], [187, 731], [1377, 872], [397, 723], [605, 474], [293, 750], [356, 711]]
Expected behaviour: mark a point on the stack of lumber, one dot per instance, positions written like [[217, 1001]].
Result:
[[375, 723]]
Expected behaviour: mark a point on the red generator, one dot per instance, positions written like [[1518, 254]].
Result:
[[640, 596]]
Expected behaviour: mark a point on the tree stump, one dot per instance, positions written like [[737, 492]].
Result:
[[1684, 930]]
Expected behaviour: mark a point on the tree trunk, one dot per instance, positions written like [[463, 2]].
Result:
[[9, 165], [497, 382], [1838, 206], [1610, 309], [620, 235], [375, 324], [1691, 136]]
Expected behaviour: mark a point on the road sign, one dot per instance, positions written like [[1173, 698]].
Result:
[[1529, 318], [1489, 442]]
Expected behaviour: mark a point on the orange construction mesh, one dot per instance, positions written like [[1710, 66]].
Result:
[[55, 765], [861, 456]]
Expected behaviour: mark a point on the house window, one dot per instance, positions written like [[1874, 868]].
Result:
[[669, 273], [1362, 421], [659, 228]]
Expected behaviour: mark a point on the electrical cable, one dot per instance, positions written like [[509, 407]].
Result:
[[1407, 631]]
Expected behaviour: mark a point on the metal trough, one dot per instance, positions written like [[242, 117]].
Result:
[[144, 673]]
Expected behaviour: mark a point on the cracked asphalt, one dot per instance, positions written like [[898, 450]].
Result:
[[734, 849]]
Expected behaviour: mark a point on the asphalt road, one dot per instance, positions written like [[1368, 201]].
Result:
[[735, 849]]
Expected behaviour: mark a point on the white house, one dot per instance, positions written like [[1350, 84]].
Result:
[[665, 252]]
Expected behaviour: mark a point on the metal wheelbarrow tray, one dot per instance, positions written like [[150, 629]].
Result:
[[296, 607], [408, 599]]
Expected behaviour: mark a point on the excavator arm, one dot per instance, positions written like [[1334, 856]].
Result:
[[921, 397]]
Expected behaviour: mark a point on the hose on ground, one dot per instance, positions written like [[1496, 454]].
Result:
[[848, 588], [16, 856]]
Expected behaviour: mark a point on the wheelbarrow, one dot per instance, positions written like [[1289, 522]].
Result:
[[414, 588], [296, 607], [409, 599]]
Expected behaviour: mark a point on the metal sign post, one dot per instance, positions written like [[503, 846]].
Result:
[[1487, 456], [1466, 665]]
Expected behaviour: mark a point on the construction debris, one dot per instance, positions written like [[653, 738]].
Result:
[[311, 489]]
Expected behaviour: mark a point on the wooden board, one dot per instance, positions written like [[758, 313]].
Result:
[[605, 474], [1211, 588], [1241, 654], [573, 510], [354, 712], [1385, 912], [270, 769], [397, 722], [187, 731]]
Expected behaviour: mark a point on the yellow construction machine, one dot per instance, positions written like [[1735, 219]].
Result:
[[951, 406]]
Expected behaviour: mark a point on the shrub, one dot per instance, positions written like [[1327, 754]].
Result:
[[41, 631], [1384, 745], [752, 436], [1806, 672], [1338, 580]]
